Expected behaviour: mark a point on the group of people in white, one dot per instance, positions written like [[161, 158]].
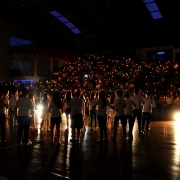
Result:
[[122, 107], [22, 107]]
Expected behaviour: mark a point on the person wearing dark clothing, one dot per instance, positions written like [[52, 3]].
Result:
[[137, 111], [3, 106], [120, 106]]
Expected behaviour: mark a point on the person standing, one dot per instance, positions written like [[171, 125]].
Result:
[[77, 113], [6, 98], [137, 111], [120, 106], [129, 113], [12, 101], [111, 112], [3, 106], [92, 110], [45, 105], [56, 110], [24, 106], [67, 109], [147, 107], [102, 104], [33, 123]]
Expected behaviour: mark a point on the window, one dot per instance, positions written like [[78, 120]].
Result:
[[153, 9], [65, 21], [14, 41]]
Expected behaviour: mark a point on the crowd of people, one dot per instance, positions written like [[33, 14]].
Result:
[[105, 88], [22, 106]]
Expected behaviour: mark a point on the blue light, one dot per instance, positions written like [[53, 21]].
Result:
[[24, 81], [69, 25], [63, 19], [159, 53], [156, 15], [75, 31], [55, 13], [148, 1], [14, 41], [152, 7]]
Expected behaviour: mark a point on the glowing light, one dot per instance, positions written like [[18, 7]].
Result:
[[176, 116], [39, 107]]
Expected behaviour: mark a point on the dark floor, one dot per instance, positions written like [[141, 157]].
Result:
[[154, 155]]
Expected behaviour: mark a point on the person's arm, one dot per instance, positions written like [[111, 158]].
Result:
[[153, 104], [83, 107], [6, 104], [110, 105], [50, 108], [134, 104], [16, 109], [62, 108], [142, 102]]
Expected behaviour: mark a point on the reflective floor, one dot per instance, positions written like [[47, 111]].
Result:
[[153, 155]]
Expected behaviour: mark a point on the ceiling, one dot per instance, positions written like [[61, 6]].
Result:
[[105, 25]]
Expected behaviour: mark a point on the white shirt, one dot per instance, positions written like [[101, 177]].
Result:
[[55, 111], [45, 104], [120, 105], [129, 106], [12, 102], [138, 101], [149, 103], [25, 106], [77, 106]]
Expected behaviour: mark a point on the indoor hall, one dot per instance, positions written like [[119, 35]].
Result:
[[152, 155]]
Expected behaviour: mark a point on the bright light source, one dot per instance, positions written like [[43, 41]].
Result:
[[39, 107], [176, 116]]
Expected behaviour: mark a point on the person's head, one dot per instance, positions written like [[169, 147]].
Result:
[[119, 93], [68, 94], [45, 95], [147, 94], [92, 95], [25, 92], [7, 92], [136, 91], [127, 94], [56, 99], [55, 95], [112, 98], [31, 96], [102, 95], [16, 92], [78, 93]]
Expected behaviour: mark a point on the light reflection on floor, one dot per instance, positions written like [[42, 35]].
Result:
[[177, 142], [154, 155]]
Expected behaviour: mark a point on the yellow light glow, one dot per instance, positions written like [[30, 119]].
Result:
[[40, 107], [176, 116]]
